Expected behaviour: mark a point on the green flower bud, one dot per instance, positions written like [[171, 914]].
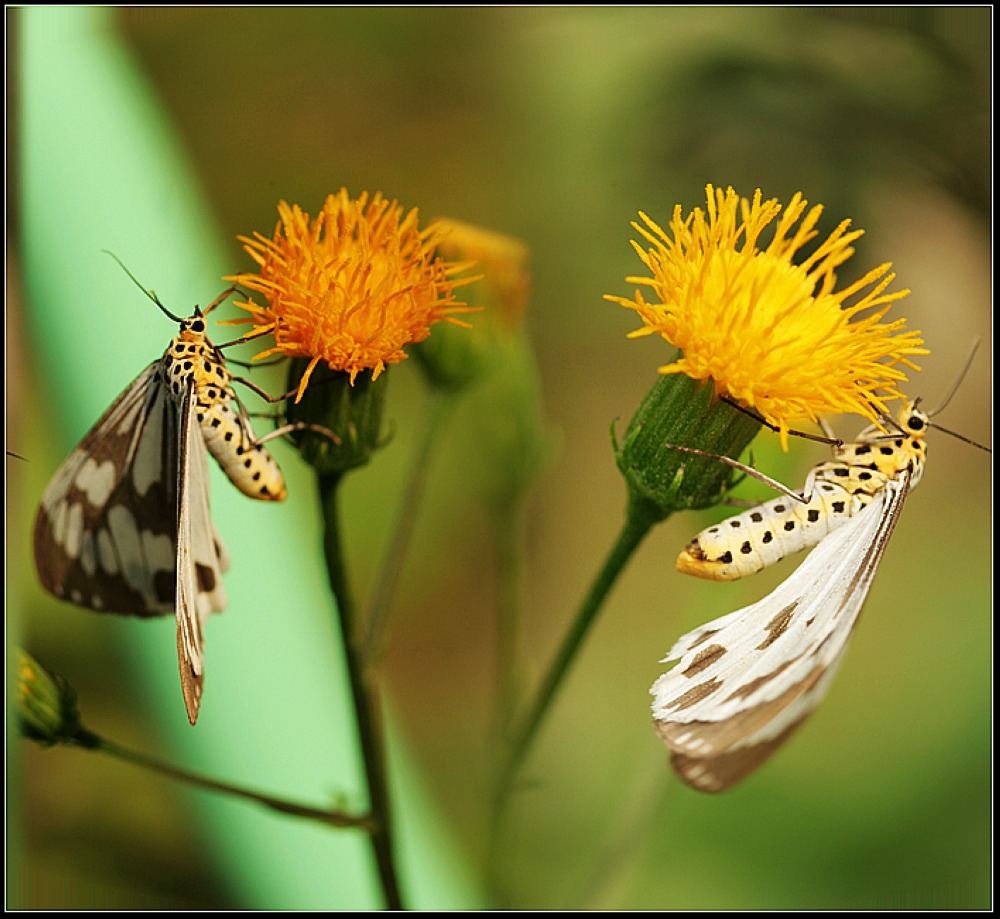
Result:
[[46, 705], [350, 414], [682, 412], [453, 356]]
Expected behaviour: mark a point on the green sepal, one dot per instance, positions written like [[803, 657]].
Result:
[[352, 413], [684, 412], [454, 357]]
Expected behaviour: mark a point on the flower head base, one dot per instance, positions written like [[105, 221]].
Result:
[[353, 287], [768, 332]]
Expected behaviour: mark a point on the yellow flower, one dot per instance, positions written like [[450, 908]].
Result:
[[352, 288], [769, 332]]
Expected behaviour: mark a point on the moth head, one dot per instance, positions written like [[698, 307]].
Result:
[[193, 328], [913, 420]]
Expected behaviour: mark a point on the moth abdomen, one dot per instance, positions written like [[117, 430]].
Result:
[[762, 536], [834, 491], [248, 465]]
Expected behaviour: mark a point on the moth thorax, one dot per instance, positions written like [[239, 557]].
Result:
[[885, 456], [192, 358], [249, 466], [867, 478]]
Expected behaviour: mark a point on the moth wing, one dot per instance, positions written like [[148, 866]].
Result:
[[745, 681], [201, 556], [106, 527]]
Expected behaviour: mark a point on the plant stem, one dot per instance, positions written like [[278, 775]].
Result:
[[365, 695], [335, 818], [640, 517], [372, 645], [508, 525]]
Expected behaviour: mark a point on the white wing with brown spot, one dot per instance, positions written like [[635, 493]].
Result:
[[745, 681]]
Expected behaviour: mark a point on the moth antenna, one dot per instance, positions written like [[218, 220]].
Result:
[[957, 383], [228, 292], [149, 293], [960, 437], [950, 395]]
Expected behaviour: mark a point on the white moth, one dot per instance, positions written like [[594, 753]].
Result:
[[744, 682], [125, 524]]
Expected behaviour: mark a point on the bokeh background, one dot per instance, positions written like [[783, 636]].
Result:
[[555, 125]]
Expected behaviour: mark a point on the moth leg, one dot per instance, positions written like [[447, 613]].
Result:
[[743, 467], [300, 426], [827, 438]]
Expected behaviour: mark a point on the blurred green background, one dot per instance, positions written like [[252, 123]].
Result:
[[557, 125]]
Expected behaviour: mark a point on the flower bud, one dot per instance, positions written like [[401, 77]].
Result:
[[351, 413], [46, 705], [454, 357], [681, 412]]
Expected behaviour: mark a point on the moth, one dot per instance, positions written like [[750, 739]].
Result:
[[125, 525], [745, 681]]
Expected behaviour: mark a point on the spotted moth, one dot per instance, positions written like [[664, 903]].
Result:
[[125, 525], [744, 682]]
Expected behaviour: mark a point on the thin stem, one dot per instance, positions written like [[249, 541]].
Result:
[[330, 817], [372, 645], [365, 695], [637, 524], [507, 528], [509, 685], [640, 517]]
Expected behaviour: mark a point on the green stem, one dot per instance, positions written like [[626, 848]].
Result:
[[640, 517], [337, 818], [507, 528], [365, 695], [372, 645]]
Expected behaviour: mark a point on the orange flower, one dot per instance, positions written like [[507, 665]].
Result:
[[353, 287]]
